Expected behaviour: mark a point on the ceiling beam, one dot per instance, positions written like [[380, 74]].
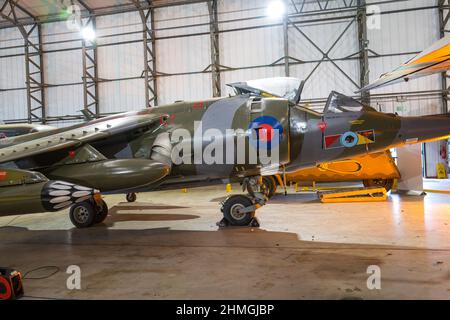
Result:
[[85, 6], [101, 11], [24, 10]]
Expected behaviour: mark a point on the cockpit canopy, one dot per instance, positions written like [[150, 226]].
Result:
[[281, 87], [338, 103], [291, 89]]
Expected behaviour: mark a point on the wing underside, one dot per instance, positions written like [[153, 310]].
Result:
[[435, 59]]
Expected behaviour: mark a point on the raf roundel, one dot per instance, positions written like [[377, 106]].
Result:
[[349, 139], [263, 132]]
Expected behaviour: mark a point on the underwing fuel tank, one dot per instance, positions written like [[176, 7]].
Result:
[[24, 192], [111, 175]]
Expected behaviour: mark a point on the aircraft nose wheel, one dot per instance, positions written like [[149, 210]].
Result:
[[238, 210], [131, 197]]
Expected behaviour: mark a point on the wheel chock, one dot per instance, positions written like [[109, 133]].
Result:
[[224, 223]]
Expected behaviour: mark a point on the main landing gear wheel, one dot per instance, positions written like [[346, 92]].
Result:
[[83, 214], [232, 210], [266, 186], [102, 212], [131, 197], [270, 186], [381, 183]]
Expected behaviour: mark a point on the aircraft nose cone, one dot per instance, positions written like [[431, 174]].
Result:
[[421, 129]]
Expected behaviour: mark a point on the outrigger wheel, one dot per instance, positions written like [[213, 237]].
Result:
[[102, 212], [131, 197], [83, 214], [87, 213]]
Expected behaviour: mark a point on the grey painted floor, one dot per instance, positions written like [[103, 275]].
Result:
[[167, 246]]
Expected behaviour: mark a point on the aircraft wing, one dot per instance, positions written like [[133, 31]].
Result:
[[433, 60], [15, 149]]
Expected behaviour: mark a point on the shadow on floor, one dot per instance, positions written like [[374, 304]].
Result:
[[146, 206], [232, 237], [118, 214], [262, 264]]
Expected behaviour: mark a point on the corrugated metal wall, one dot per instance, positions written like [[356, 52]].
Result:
[[327, 76], [63, 70], [402, 32], [120, 61], [12, 76], [182, 58], [250, 48]]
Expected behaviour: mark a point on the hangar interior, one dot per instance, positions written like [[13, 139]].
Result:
[[58, 57]]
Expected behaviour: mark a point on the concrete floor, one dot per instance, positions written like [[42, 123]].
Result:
[[437, 185], [167, 246]]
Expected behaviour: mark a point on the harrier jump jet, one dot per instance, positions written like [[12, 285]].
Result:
[[258, 132]]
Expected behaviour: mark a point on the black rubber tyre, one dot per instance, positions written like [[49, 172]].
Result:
[[83, 214], [131, 197], [270, 185], [382, 183], [102, 213], [230, 210]]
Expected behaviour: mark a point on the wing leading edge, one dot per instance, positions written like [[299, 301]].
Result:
[[76, 136], [433, 60]]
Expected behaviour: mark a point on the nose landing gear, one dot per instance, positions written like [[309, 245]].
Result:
[[240, 210]]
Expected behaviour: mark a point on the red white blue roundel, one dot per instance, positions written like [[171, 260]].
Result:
[[263, 130]]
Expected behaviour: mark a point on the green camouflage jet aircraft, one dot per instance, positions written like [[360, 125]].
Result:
[[260, 131]]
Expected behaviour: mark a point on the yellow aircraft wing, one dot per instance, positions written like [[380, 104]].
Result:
[[433, 60]]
